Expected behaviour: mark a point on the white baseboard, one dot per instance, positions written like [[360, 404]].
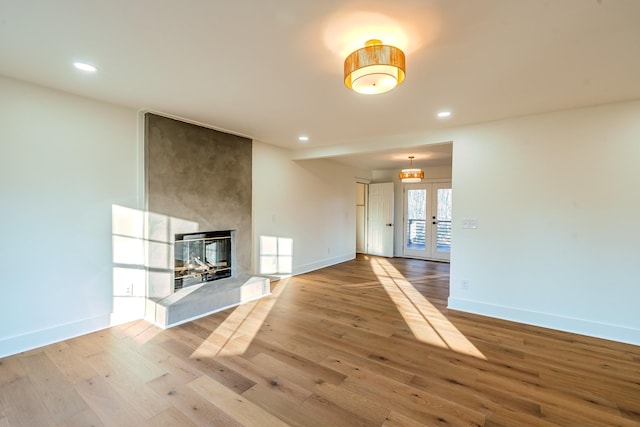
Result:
[[29, 341], [306, 268], [546, 320]]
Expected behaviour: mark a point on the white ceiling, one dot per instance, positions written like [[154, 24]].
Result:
[[272, 70]]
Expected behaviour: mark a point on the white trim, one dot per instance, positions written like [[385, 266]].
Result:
[[444, 261], [193, 122], [443, 180], [306, 268], [548, 320], [48, 336]]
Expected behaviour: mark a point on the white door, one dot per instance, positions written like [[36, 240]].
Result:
[[380, 235], [427, 221]]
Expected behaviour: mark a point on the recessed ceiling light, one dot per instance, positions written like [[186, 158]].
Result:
[[444, 114], [303, 138], [85, 67]]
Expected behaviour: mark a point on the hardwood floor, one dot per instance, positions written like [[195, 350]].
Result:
[[365, 343]]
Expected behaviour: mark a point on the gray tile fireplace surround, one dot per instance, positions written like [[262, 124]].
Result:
[[196, 179], [200, 300]]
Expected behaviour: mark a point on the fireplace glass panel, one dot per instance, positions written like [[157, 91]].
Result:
[[202, 257]]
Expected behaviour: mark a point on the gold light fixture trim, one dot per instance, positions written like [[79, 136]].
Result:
[[412, 174], [375, 68]]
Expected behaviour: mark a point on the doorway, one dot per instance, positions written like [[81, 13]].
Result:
[[427, 221]]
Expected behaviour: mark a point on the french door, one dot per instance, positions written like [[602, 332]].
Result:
[[427, 221]]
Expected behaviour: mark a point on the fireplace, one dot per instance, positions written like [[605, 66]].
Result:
[[202, 257]]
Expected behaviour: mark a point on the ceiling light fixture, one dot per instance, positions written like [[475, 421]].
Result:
[[444, 114], [303, 138], [412, 174], [375, 68], [85, 67]]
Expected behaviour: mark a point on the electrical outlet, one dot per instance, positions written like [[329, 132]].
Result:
[[465, 284]]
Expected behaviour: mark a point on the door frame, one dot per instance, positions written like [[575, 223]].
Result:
[[365, 219]]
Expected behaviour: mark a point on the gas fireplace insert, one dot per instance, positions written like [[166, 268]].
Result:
[[202, 257]]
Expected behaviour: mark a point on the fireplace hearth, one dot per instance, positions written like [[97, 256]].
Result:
[[202, 257]]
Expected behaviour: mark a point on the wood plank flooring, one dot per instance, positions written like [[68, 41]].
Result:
[[365, 343]]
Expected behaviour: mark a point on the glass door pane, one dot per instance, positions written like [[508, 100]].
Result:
[[443, 220], [416, 218]]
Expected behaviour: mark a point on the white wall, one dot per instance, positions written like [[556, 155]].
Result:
[[557, 200], [64, 161], [308, 201]]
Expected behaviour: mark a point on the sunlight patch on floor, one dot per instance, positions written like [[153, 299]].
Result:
[[426, 322], [234, 336]]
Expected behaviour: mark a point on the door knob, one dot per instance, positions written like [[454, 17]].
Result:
[[389, 225]]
